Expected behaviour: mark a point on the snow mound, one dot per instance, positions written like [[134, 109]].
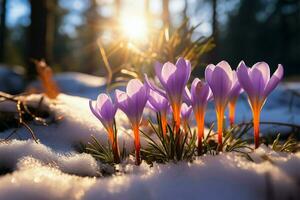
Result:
[[80, 164], [226, 176], [35, 180]]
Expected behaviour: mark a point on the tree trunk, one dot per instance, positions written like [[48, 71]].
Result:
[[214, 19], [2, 30], [41, 32], [214, 52]]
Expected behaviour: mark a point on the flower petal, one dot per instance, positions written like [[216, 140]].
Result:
[[106, 108], [176, 77], [183, 72], [208, 72], [264, 69], [220, 85], [236, 87], [188, 69], [258, 83], [275, 79], [187, 96], [167, 71], [200, 92], [149, 105], [158, 72], [244, 79], [133, 103], [223, 64], [235, 80], [134, 86], [121, 100], [185, 111], [194, 90], [152, 86], [157, 101], [94, 110]]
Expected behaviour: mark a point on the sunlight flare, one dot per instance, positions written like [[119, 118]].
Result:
[[134, 27]]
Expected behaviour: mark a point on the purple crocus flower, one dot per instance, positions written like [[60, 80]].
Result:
[[258, 85], [174, 78], [105, 111], [185, 115], [219, 77], [132, 103], [233, 96], [200, 95], [159, 104]]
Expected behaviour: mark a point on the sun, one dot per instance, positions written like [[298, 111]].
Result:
[[134, 28]]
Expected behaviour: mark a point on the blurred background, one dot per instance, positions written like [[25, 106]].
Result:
[[117, 36]]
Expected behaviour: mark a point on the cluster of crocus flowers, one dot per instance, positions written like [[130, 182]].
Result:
[[222, 84], [132, 103], [226, 85], [173, 79]]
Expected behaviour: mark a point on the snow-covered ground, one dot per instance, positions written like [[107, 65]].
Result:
[[40, 173], [53, 170]]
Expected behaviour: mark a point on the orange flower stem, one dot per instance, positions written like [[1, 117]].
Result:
[[114, 142], [176, 116], [231, 107], [220, 120], [185, 127], [200, 126], [256, 120], [137, 144], [164, 124]]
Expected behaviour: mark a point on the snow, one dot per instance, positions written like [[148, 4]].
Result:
[[34, 180], [228, 176], [53, 169], [80, 164], [225, 176]]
